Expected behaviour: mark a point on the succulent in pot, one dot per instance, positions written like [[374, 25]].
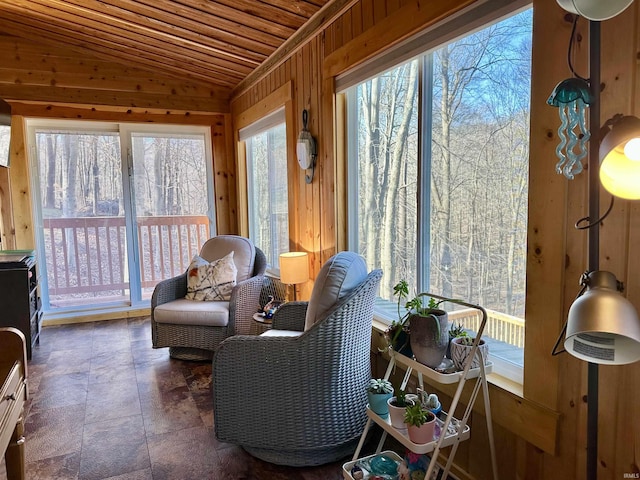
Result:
[[420, 423], [461, 348], [397, 406], [378, 392], [456, 331]]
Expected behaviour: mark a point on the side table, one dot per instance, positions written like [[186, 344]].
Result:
[[262, 324]]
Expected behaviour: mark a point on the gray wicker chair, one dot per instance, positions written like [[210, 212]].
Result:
[[193, 329], [299, 400]]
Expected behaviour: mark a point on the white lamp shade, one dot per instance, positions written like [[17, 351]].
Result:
[[294, 267], [620, 169], [603, 326], [595, 9]]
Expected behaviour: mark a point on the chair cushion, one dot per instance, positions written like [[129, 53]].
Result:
[[338, 276], [281, 333], [193, 312], [211, 281], [244, 253]]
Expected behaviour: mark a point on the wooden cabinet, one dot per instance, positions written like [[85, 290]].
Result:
[[20, 304], [13, 395]]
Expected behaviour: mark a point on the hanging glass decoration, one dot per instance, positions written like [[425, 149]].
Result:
[[571, 96]]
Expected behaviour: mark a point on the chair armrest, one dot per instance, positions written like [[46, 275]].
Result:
[[169, 290], [244, 302], [290, 316]]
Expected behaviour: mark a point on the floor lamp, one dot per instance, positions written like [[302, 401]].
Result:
[[602, 326]]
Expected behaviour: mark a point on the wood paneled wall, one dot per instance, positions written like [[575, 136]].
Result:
[[557, 252]]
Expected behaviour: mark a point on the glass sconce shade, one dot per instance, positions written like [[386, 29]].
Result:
[[603, 326], [595, 9], [294, 267], [620, 159], [571, 96]]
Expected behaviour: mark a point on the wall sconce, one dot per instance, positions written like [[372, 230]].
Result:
[[306, 149], [294, 269]]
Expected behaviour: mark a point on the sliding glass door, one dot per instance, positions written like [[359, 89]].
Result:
[[121, 208]]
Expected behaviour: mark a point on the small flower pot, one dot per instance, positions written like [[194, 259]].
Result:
[[461, 352], [378, 403], [424, 433], [396, 414]]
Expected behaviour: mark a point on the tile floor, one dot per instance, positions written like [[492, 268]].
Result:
[[105, 405]]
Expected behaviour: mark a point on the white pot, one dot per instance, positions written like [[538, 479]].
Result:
[[460, 353]]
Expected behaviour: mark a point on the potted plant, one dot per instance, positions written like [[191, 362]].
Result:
[[456, 331], [432, 403], [397, 335], [428, 326], [461, 350], [397, 405], [420, 423], [378, 392]]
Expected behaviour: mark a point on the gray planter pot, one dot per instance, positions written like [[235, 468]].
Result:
[[427, 344]]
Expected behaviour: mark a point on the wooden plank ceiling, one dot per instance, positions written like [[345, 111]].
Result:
[[208, 43]]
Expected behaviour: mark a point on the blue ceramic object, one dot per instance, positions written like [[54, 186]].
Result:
[[378, 403]]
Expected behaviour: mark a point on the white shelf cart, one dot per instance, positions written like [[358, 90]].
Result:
[[453, 430]]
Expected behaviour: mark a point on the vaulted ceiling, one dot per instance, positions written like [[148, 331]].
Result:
[[207, 47]]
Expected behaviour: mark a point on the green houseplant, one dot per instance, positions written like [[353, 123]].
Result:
[[420, 423], [428, 325], [378, 392], [397, 406]]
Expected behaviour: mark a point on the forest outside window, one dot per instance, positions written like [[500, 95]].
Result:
[[438, 178], [268, 200]]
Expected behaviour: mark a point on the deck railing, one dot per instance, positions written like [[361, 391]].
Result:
[[500, 326], [88, 254]]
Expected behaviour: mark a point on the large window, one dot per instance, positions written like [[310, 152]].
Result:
[[438, 175], [268, 202]]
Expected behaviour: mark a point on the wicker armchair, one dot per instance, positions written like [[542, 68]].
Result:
[[193, 329], [300, 399]]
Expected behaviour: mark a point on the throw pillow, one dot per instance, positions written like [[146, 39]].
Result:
[[211, 281]]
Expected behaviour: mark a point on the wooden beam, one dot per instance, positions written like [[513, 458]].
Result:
[[112, 113], [99, 97]]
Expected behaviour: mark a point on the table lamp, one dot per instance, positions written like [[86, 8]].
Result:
[[294, 269]]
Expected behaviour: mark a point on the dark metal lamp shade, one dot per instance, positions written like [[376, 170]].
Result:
[[603, 326]]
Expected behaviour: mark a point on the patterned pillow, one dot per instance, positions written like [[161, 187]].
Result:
[[211, 281]]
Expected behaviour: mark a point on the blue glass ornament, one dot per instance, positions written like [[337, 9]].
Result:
[[572, 97]]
